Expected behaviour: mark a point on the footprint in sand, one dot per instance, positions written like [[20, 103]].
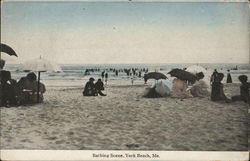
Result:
[[52, 138], [60, 142], [132, 146], [26, 140], [82, 148], [70, 133]]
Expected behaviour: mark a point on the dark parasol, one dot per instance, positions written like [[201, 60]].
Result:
[[7, 49], [154, 75], [183, 75]]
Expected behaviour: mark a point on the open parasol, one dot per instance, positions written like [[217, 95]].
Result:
[[39, 65], [183, 75], [154, 75], [8, 50]]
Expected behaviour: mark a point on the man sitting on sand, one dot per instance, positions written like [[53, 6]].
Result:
[[244, 90], [99, 86], [27, 89], [217, 93], [89, 89]]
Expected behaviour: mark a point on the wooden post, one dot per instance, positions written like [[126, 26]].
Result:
[[38, 87]]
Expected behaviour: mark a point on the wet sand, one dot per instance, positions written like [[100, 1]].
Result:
[[124, 120]]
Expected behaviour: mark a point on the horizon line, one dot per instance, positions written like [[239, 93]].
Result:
[[137, 63]]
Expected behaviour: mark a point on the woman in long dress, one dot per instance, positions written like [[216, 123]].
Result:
[[229, 78]]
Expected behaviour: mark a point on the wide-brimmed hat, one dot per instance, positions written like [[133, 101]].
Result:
[[91, 79]]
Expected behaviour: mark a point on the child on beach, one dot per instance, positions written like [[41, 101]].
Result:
[[217, 93], [244, 90]]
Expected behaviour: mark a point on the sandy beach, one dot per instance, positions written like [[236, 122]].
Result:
[[124, 120]]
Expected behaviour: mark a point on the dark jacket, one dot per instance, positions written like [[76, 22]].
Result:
[[99, 86], [244, 92], [89, 89], [214, 77]]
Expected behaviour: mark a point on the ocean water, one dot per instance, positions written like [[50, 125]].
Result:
[[75, 74]]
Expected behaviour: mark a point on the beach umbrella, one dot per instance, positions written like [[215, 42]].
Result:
[[39, 65], [7, 49], [196, 69], [154, 75], [183, 75]]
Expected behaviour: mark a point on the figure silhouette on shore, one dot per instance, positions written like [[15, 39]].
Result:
[[106, 78], [214, 76], [89, 89], [244, 90], [99, 86], [229, 78], [217, 93]]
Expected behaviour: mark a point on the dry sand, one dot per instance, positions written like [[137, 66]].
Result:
[[124, 120]]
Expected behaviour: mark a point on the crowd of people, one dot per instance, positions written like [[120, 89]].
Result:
[[28, 90], [128, 71], [24, 91], [200, 88]]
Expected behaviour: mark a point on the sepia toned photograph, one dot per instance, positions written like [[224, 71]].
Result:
[[127, 75]]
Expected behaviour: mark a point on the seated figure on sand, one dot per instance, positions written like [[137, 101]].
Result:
[[180, 89], [90, 89], [99, 86], [217, 93], [27, 89], [7, 89], [200, 88], [244, 90]]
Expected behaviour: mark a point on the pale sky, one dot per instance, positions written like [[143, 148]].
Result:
[[126, 32]]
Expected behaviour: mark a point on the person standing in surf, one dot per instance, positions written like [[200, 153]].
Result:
[[106, 77]]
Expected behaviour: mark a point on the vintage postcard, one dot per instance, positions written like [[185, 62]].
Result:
[[124, 80]]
